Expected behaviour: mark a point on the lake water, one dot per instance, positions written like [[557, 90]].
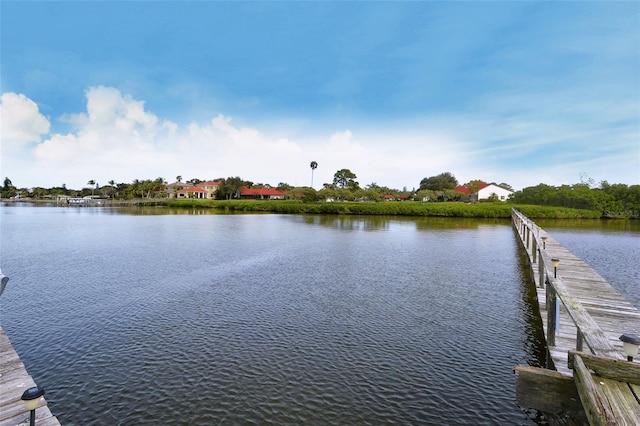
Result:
[[200, 318]]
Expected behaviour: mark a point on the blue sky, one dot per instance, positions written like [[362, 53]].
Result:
[[515, 92]]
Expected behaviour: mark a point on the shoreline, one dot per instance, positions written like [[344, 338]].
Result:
[[389, 208]]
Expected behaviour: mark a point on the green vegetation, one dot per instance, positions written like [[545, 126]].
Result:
[[440, 182], [434, 197], [609, 200], [123, 191], [392, 208]]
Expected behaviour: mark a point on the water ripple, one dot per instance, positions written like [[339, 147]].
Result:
[[287, 322]]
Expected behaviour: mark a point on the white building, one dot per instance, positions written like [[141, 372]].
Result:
[[485, 191]]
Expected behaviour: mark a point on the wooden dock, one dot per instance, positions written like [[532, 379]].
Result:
[[583, 318], [14, 380]]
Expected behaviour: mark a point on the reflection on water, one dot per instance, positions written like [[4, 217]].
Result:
[[346, 223], [377, 223], [601, 225]]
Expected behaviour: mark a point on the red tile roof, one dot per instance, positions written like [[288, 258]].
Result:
[[462, 189], [260, 191]]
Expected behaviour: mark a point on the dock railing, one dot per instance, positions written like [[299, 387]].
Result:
[[588, 332], [604, 386]]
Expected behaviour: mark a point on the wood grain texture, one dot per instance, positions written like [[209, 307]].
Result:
[[14, 380]]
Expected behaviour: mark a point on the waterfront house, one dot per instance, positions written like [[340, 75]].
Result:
[[210, 186], [173, 188], [194, 192], [203, 190], [264, 193], [485, 192]]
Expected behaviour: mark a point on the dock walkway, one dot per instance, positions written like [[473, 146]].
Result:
[[14, 380], [583, 317]]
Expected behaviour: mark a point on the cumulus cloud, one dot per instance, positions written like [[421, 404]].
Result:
[[115, 136], [21, 121], [108, 108]]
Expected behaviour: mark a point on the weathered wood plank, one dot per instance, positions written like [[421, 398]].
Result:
[[548, 391], [596, 405], [614, 369], [625, 407]]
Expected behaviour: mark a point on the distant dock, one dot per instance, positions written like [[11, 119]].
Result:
[[14, 380], [583, 318]]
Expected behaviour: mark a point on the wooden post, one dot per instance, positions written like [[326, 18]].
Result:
[[528, 235], [541, 271], [534, 250], [578, 340], [552, 302]]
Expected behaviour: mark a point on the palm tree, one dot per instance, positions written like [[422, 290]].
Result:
[[91, 183], [313, 165]]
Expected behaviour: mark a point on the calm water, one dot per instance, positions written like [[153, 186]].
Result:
[[268, 319]]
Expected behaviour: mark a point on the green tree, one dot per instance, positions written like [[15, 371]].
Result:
[[474, 185], [8, 190], [345, 178], [426, 195], [156, 187], [374, 193], [135, 189], [39, 192], [309, 195], [440, 182], [7, 184], [283, 186], [328, 192], [541, 194], [230, 188], [109, 191], [91, 184], [123, 190]]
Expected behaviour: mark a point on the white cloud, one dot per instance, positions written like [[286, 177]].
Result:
[[21, 123], [116, 138], [107, 107]]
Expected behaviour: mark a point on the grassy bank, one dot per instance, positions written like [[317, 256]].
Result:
[[407, 208]]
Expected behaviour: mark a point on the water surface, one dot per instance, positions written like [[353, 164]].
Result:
[[268, 319]]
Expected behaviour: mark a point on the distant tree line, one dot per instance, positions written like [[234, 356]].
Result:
[[148, 188], [612, 200]]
